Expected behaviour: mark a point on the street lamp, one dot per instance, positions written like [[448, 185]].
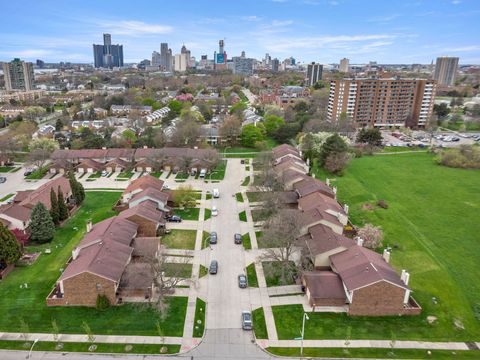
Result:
[[305, 316], [30, 352]]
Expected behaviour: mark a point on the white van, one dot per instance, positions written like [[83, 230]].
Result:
[[216, 193], [203, 172]]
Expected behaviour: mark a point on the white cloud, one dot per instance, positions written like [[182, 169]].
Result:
[[280, 23], [280, 1], [456, 2], [468, 48], [384, 18], [250, 18], [135, 28]]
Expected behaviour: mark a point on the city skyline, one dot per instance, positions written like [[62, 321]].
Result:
[[323, 31]]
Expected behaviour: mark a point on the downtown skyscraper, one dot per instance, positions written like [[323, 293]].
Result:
[[18, 75], [108, 55], [445, 70]]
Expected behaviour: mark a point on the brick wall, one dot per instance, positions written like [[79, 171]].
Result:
[[83, 290], [379, 299]]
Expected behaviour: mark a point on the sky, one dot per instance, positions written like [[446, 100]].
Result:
[[386, 31]]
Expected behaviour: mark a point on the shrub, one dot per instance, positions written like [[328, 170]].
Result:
[[372, 236], [102, 302], [383, 204], [336, 162], [465, 157]]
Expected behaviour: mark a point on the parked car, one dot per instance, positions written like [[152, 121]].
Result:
[[104, 173], [203, 173], [237, 238], [10, 163], [216, 193], [213, 267], [2, 179], [165, 187], [242, 281], [28, 172], [213, 237], [247, 323], [214, 211], [174, 218]]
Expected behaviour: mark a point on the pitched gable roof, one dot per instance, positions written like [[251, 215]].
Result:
[[359, 267], [152, 194], [321, 239], [147, 210], [310, 185], [144, 182]]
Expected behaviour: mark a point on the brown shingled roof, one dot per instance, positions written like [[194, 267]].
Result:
[[151, 193], [310, 185], [90, 164], [318, 200], [144, 182], [147, 210], [359, 267], [324, 285], [321, 239]]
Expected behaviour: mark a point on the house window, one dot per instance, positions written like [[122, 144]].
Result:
[[99, 286]]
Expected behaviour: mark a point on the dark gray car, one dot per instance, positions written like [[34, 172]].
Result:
[[242, 281], [213, 267], [213, 237], [237, 238], [247, 323]]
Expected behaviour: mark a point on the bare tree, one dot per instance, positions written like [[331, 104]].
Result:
[[281, 233], [210, 158], [157, 158], [230, 129], [266, 177], [38, 157]]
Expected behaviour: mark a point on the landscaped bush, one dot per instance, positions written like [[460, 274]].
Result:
[[383, 204], [465, 156], [102, 302]]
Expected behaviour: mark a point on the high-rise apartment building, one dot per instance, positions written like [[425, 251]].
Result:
[[181, 62], [242, 65], [156, 59], [275, 65], [314, 73], [107, 55], [445, 70], [165, 57], [344, 65], [382, 102], [18, 75]]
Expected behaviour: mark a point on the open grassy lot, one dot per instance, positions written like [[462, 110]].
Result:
[[259, 325], [374, 353], [199, 322], [246, 241], [29, 303], [187, 213], [125, 175], [180, 239], [83, 347], [180, 270], [432, 223]]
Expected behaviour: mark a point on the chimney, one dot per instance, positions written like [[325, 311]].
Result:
[[386, 255], [407, 278], [335, 190], [145, 146], [89, 225], [402, 277], [359, 241], [345, 208], [327, 181], [75, 253]]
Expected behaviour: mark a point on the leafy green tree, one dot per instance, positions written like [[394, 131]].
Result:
[[41, 226], [78, 191], [441, 110], [151, 102], [273, 123], [238, 108], [250, 135], [287, 131], [370, 136], [62, 207], [47, 144], [54, 212], [10, 250], [333, 144], [175, 107]]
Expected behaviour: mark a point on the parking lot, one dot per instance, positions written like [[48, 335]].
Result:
[[422, 139]]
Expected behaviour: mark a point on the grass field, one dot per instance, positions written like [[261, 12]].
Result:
[[29, 303], [5, 169], [433, 224], [180, 239], [83, 347], [242, 216], [199, 322], [239, 197], [259, 325], [374, 353], [252, 276], [187, 213], [219, 172], [246, 241]]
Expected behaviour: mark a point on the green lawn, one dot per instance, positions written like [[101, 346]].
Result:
[[182, 175], [37, 174], [374, 353], [259, 215], [180, 239], [246, 241], [83, 347], [239, 197], [187, 213], [29, 304], [219, 172], [208, 214], [5, 169], [203, 271], [199, 322], [180, 270], [125, 175], [156, 174], [205, 239], [6, 197], [256, 196], [95, 175], [432, 224], [242, 216], [246, 181], [259, 325], [262, 244], [252, 276]]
